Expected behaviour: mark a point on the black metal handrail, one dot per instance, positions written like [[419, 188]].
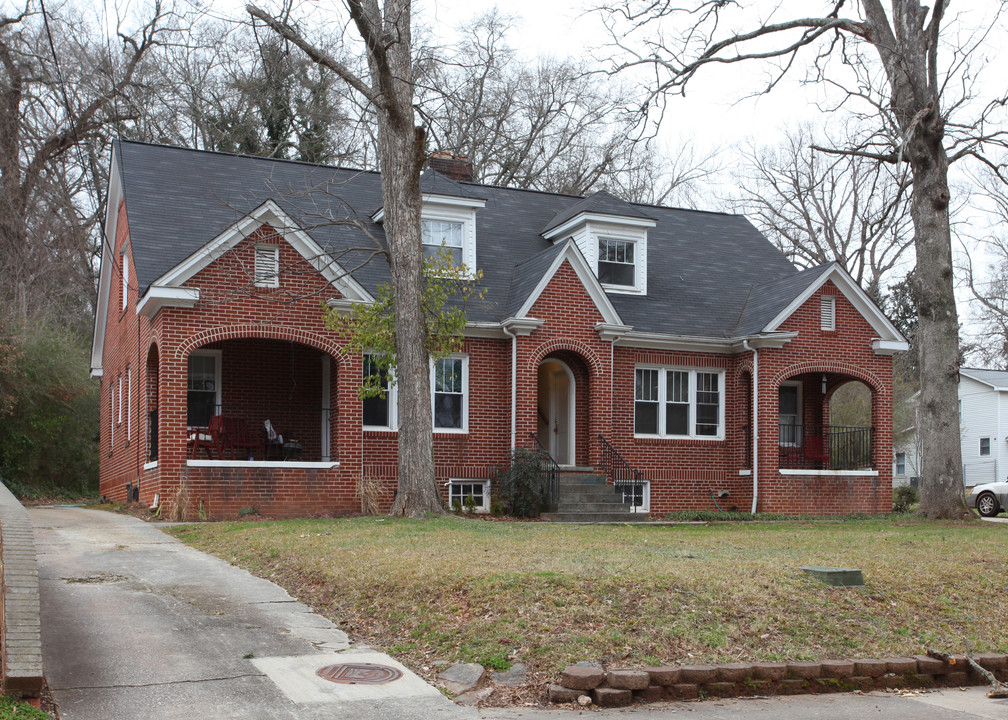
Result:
[[550, 470], [825, 447], [616, 467]]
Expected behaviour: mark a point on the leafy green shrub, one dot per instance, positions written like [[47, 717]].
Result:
[[521, 486], [904, 498], [11, 709], [496, 506]]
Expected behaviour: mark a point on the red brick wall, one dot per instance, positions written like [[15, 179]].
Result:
[[260, 331]]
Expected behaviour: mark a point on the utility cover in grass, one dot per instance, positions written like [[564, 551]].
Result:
[[837, 577]]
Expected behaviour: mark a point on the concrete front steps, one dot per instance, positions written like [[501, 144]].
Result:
[[586, 497]]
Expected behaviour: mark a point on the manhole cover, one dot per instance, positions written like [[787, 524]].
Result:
[[359, 674]]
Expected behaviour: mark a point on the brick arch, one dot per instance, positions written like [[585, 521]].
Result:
[[574, 346], [743, 368], [873, 383], [262, 332]]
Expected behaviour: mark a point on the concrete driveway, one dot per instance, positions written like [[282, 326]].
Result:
[[137, 625]]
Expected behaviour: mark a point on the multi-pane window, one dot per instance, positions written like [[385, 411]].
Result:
[[437, 233], [900, 464], [636, 495], [788, 411], [985, 446], [378, 411], [616, 265], [129, 404], [449, 393], [674, 402], [267, 266], [469, 494], [201, 390]]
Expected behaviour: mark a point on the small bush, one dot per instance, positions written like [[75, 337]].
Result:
[[13, 708], [521, 486], [904, 498]]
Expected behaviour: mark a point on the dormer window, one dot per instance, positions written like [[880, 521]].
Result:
[[448, 234], [616, 265]]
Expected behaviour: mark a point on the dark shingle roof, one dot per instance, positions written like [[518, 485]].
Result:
[[768, 299], [601, 203], [702, 267]]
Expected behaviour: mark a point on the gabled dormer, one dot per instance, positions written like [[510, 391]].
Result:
[[612, 236], [448, 218]]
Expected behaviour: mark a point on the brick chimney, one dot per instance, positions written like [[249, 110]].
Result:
[[455, 167]]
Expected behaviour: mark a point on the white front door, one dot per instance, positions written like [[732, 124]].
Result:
[[556, 410]]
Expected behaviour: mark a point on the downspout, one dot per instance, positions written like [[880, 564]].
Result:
[[755, 424], [514, 383]]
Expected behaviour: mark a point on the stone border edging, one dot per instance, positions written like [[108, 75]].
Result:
[[20, 627], [618, 688]]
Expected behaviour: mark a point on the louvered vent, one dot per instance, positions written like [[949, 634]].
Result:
[[828, 313], [267, 266]]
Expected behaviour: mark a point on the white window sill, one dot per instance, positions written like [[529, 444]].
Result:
[[379, 429], [262, 464], [451, 431], [832, 473], [150, 465], [745, 472], [703, 438], [622, 289]]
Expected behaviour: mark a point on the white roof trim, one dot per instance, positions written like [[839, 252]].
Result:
[[571, 254], [158, 296], [584, 217], [113, 197], [889, 347], [267, 213], [854, 294], [435, 199], [967, 372]]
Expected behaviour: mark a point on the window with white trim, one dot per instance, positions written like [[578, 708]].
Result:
[[465, 494], [789, 406], [450, 381], [827, 312], [616, 264], [637, 495], [984, 446], [379, 412], [124, 259], [900, 464], [267, 266], [119, 419], [111, 416], [678, 402], [447, 234], [129, 404], [203, 389]]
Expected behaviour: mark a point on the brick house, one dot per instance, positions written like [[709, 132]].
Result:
[[647, 336]]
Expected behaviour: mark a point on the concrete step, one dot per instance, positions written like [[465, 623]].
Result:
[[596, 517], [590, 507]]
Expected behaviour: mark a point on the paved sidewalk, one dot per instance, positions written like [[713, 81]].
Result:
[[137, 625]]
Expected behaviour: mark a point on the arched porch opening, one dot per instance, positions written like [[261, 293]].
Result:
[[825, 422], [562, 408], [260, 399]]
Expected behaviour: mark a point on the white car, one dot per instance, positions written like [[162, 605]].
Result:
[[989, 499]]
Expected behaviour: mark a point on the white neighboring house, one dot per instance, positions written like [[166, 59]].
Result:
[[906, 446], [983, 425]]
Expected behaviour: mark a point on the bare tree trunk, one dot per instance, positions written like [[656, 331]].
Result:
[[400, 151], [938, 323]]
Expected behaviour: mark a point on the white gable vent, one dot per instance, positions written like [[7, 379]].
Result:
[[827, 312], [267, 266]]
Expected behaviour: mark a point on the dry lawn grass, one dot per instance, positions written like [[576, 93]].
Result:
[[456, 589]]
